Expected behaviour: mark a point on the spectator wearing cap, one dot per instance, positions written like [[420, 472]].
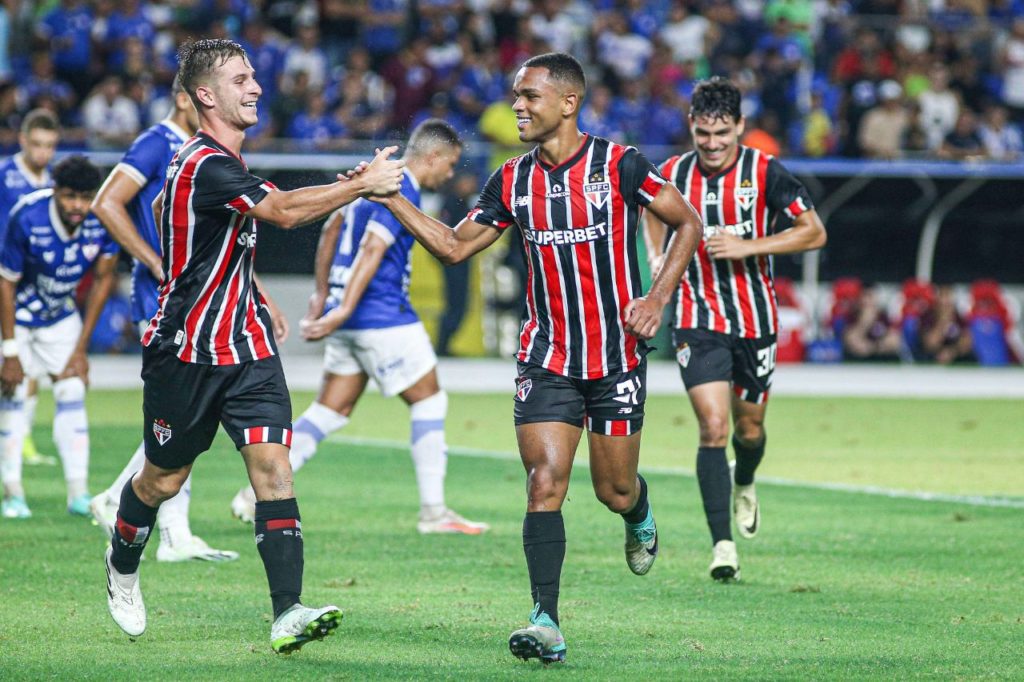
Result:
[[882, 128]]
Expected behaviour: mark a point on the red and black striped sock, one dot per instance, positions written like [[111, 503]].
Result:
[[279, 541], [715, 491], [135, 520]]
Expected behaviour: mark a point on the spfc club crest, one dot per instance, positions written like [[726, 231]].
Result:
[[683, 354], [523, 387], [162, 431], [745, 194], [597, 193]]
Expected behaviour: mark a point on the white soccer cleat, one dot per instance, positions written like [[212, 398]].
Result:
[[725, 562], [187, 549], [641, 546], [104, 513], [243, 505], [745, 510], [447, 521], [301, 624], [124, 599], [15, 508]]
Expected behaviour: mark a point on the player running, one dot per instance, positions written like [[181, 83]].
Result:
[[209, 355], [577, 200], [23, 173], [726, 321], [124, 204], [362, 306], [51, 243]]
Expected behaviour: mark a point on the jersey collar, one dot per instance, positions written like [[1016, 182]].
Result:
[[57, 223], [412, 178], [38, 181], [568, 163], [176, 129]]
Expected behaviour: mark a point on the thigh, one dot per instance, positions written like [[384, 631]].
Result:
[[704, 356], [615, 403], [754, 361], [543, 396], [396, 357], [52, 346], [256, 406], [179, 408], [613, 459], [342, 392]]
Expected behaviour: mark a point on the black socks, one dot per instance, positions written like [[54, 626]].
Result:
[[715, 490], [279, 541], [544, 546], [135, 521], [638, 514], [747, 460]]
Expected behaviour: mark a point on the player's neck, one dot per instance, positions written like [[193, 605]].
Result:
[[558, 149], [180, 119], [35, 174], [225, 134]]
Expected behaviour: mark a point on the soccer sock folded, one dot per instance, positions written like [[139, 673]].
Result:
[[131, 532], [715, 490], [279, 541], [544, 546], [747, 460], [71, 433], [638, 514], [310, 428]]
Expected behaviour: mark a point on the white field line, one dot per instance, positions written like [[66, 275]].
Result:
[[922, 496]]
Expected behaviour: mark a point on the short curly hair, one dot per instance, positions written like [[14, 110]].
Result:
[[716, 97], [77, 173]]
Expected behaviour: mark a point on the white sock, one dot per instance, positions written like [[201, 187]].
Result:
[[31, 402], [133, 465], [429, 451], [172, 517], [71, 433], [12, 434], [315, 424]]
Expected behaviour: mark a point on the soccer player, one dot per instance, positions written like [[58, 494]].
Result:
[[577, 200], [726, 321], [209, 355], [124, 204], [51, 243], [361, 304], [25, 172]]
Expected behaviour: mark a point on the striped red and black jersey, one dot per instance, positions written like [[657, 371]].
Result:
[[734, 297], [579, 225], [210, 311]]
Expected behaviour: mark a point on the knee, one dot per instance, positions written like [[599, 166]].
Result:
[[70, 390], [749, 432], [714, 429], [616, 495], [543, 487], [154, 490]]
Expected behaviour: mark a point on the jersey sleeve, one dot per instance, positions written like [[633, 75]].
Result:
[[109, 247], [12, 251], [223, 182], [145, 159], [383, 223], [639, 180], [492, 208], [786, 194]]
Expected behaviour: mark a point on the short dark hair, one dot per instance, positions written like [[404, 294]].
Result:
[[39, 119], [563, 67], [432, 132], [77, 173], [197, 59], [716, 97]]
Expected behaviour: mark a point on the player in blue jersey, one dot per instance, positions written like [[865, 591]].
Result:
[[362, 305], [124, 204], [25, 172], [51, 243]]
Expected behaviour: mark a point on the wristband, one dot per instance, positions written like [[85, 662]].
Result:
[[10, 348]]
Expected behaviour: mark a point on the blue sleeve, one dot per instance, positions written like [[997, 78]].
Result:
[[110, 247], [12, 255], [148, 155]]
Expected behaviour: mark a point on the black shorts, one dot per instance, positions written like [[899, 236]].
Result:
[[612, 405], [705, 356], [182, 404]]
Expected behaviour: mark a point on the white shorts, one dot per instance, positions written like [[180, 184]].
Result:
[[46, 350], [395, 357]]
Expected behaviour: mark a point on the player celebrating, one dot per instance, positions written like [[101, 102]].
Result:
[[25, 172], [578, 200], [362, 305], [51, 243], [124, 204], [726, 320], [209, 355]]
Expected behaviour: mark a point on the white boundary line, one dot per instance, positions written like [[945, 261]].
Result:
[[920, 496]]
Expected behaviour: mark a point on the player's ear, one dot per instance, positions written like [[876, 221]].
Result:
[[205, 96], [741, 125], [570, 103]]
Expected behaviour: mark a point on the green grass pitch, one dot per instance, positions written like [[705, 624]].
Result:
[[838, 586]]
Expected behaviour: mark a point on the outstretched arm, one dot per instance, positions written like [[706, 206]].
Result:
[[325, 251], [643, 315], [448, 245]]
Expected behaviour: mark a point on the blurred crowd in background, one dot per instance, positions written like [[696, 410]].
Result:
[[853, 78]]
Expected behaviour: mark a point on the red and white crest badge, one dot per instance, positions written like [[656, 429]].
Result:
[[597, 193], [523, 387], [162, 431]]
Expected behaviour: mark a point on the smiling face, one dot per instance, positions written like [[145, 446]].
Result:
[[716, 140], [541, 104], [232, 93]]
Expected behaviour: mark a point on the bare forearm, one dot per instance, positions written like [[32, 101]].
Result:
[[806, 234], [325, 253], [439, 239], [677, 257], [654, 236], [301, 206], [7, 289], [119, 224]]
